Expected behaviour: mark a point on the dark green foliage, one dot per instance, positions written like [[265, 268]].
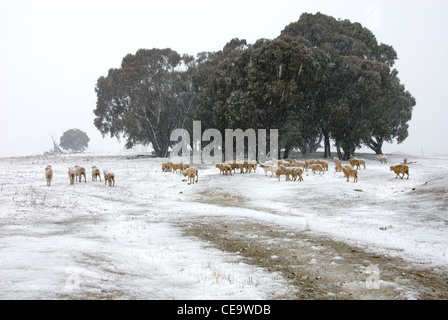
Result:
[[74, 140], [322, 79]]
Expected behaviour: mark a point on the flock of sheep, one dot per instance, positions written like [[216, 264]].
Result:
[[292, 169], [76, 173]]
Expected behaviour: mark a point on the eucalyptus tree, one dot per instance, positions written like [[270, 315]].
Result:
[[355, 103], [269, 85], [74, 140], [145, 99]]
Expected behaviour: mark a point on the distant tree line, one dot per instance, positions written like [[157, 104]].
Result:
[[320, 80]]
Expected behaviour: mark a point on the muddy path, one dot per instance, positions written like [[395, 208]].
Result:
[[318, 266]]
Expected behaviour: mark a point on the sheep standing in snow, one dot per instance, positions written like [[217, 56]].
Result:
[[72, 175], [400, 169], [350, 172], [316, 167], [48, 174], [337, 164], [109, 177], [166, 166], [382, 159], [80, 172], [224, 168], [268, 168], [191, 173], [95, 173], [356, 163]]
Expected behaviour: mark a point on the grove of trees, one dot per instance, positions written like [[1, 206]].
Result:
[[321, 81]]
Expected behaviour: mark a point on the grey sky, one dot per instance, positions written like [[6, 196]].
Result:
[[53, 52]]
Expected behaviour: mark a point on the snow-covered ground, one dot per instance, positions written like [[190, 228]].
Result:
[[89, 240]]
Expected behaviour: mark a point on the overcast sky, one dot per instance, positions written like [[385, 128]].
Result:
[[53, 52]]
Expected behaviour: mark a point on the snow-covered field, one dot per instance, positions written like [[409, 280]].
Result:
[[89, 240]]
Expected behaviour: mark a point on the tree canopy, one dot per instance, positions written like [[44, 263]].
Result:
[[74, 140], [321, 79]]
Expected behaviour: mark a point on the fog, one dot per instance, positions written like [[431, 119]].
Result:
[[53, 52]]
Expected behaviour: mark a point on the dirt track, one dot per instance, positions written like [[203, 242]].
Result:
[[318, 267]]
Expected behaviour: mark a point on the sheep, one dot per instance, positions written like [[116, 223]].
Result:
[[350, 172], [72, 175], [400, 168], [233, 165], [109, 177], [224, 168], [361, 162], [323, 163], [295, 172], [338, 164], [309, 162], [244, 166], [252, 165], [356, 163], [281, 170], [166, 166], [316, 167], [284, 162], [382, 159], [48, 174], [298, 163], [95, 173], [80, 172], [177, 166], [268, 168], [191, 173]]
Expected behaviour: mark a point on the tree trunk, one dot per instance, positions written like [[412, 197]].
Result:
[[348, 152], [338, 150], [286, 153], [376, 145], [327, 152]]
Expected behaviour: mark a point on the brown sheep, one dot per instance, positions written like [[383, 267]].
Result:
[[362, 162], [297, 163], [95, 173], [309, 162], [337, 164], [191, 173], [243, 166], [281, 170], [177, 166], [296, 172], [316, 167], [252, 165], [400, 168], [72, 175], [109, 177], [382, 159], [166, 166], [356, 163], [224, 168], [80, 172], [323, 163], [350, 172], [48, 174]]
